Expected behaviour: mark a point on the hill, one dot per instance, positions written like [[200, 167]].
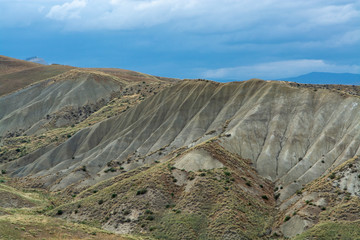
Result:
[[193, 159], [326, 78]]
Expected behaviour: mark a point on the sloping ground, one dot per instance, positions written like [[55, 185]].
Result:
[[132, 76], [228, 200], [75, 88], [10, 65], [15, 81], [330, 201], [291, 135], [20, 218]]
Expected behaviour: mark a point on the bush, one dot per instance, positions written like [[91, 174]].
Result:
[[110, 170], [147, 211], [227, 173], [332, 176], [114, 195], [3, 171], [287, 218], [100, 201], [127, 212], [150, 217], [141, 191], [264, 197], [248, 183], [59, 212]]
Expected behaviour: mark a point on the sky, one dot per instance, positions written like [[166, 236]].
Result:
[[212, 39]]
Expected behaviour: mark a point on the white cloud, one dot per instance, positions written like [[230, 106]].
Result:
[[205, 15], [69, 10], [280, 69]]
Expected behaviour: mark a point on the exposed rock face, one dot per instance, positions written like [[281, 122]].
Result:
[[27, 107], [291, 135]]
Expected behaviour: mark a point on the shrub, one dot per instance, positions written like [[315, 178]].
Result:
[[202, 174], [59, 212], [127, 212], [332, 176], [114, 195], [100, 201], [248, 183], [227, 173], [141, 191], [147, 211], [287, 218], [150, 217], [110, 170], [83, 168], [3, 171], [264, 197]]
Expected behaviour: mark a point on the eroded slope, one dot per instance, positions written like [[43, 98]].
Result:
[[291, 135]]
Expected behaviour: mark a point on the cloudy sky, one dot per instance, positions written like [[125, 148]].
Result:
[[213, 39]]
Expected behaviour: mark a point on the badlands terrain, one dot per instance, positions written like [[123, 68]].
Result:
[[116, 154]]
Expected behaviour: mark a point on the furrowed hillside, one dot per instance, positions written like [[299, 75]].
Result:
[[192, 159]]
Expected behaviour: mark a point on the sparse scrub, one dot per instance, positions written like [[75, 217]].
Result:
[[264, 197], [141, 191]]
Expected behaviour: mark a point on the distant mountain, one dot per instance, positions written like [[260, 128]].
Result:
[[326, 78], [37, 60]]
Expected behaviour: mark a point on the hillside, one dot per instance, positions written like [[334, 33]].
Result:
[[326, 78], [194, 159]]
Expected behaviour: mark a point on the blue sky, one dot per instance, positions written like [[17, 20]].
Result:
[[222, 39]]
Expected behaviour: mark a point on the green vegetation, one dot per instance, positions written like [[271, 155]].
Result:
[[332, 230], [141, 191]]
